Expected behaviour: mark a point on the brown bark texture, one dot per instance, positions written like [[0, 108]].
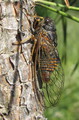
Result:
[[17, 98]]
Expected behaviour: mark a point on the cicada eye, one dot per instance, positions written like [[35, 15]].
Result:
[[47, 20]]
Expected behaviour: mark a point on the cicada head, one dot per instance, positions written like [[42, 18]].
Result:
[[49, 24]]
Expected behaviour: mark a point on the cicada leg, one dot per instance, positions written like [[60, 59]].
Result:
[[22, 41]]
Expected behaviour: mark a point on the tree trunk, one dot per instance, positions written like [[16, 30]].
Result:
[[17, 98]]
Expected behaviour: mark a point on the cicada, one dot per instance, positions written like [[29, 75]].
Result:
[[47, 63]]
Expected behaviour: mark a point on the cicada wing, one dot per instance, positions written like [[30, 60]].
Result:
[[52, 78], [53, 88]]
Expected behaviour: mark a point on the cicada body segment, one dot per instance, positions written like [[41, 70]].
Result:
[[49, 70]]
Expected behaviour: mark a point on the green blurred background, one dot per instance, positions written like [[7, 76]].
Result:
[[68, 47]]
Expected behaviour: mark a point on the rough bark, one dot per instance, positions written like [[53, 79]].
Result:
[[17, 98]]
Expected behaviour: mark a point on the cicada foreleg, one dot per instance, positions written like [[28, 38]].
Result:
[[22, 41]]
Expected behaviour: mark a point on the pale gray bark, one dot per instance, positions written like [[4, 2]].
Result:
[[17, 99]]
